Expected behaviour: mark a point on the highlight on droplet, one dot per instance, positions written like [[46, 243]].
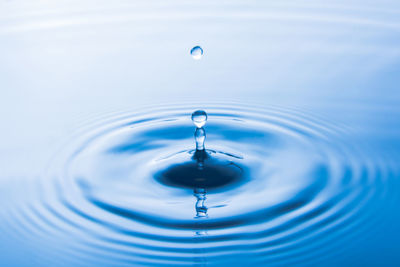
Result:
[[199, 118], [196, 52]]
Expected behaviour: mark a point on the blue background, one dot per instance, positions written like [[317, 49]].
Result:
[[65, 63]]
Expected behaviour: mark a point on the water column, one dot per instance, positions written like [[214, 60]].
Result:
[[199, 119]]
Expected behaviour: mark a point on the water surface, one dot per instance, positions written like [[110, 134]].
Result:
[[302, 133]]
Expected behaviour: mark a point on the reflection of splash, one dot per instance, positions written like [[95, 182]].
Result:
[[201, 208], [200, 259], [201, 213]]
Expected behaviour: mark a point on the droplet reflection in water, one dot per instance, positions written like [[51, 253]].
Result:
[[197, 52]]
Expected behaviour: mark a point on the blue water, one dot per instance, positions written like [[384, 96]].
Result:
[[98, 158]]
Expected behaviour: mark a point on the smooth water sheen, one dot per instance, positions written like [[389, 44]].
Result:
[[278, 187], [280, 147]]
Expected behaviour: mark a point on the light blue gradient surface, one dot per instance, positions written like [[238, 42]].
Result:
[[67, 64]]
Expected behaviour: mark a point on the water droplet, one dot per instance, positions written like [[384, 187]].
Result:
[[197, 52], [199, 118]]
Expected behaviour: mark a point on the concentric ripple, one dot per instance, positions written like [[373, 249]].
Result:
[[289, 190]]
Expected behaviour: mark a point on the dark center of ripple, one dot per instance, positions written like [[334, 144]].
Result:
[[203, 171], [146, 172]]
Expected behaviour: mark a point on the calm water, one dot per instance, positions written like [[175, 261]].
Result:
[[98, 159]]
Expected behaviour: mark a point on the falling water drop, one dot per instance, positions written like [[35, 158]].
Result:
[[199, 118], [197, 52]]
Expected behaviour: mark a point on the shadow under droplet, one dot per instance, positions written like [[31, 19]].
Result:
[[203, 172]]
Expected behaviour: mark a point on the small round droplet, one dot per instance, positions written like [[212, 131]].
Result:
[[199, 118], [197, 52]]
